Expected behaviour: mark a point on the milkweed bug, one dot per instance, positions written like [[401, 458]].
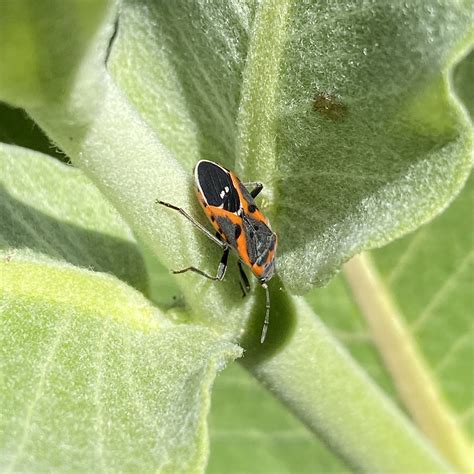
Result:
[[239, 225]]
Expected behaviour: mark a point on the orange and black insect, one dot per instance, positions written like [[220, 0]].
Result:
[[239, 225]]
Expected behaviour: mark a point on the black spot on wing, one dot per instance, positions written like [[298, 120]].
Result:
[[238, 231], [272, 244], [217, 187]]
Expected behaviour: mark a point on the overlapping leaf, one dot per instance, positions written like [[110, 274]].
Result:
[[345, 113], [52, 211], [352, 125], [252, 432], [33, 75], [429, 276], [94, 377]]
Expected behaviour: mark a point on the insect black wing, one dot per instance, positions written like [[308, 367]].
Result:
[[259, 238], [216, 186]]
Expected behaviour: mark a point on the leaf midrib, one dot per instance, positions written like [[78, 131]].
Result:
[[257, 117]]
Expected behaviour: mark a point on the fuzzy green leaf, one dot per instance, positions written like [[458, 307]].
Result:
[[345, 113], [427, 342], [280, 91], [93, 377], [16, 128], [33, 75], [302, 374], [251, 431], [52, 211], [425, 130], [462, 81]]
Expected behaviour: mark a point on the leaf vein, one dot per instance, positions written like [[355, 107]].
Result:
[[440, 294], [44, 370], [99, 446], [466, 339], [405, 258]]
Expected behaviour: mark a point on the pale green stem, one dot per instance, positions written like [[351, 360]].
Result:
[[317, 379], [413, 379]]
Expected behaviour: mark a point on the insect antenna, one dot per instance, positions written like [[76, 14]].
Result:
[[267, 314]]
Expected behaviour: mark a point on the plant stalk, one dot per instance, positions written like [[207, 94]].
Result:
[[409, 371], [311, 372]]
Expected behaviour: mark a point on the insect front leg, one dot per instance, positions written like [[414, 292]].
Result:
[[221, 269], [257, 187], [223, 263], [219, 242], [244, 281]]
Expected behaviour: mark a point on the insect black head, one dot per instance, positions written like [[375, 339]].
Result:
[[269, 271]]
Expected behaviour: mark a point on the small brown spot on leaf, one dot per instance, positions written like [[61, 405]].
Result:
[[329, 106]]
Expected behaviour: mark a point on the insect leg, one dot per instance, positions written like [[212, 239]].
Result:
[[267, 314], [222, 265], [244, 281], [244, 294], [220, 270], [219, 242], [257, 187]]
